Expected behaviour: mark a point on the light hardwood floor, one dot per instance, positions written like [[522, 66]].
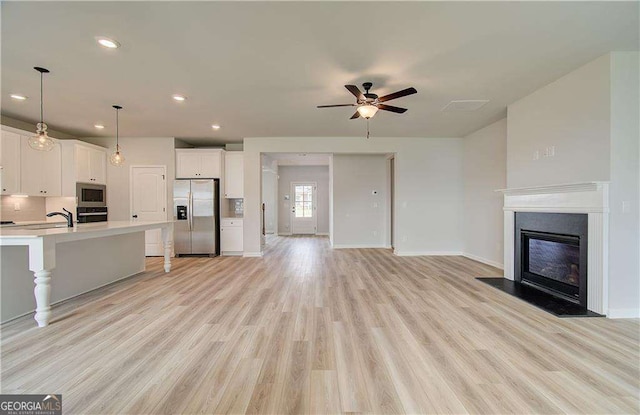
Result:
[[307, 329]]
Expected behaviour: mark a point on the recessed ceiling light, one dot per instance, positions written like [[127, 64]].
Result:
[[179, 97], [215, 126], [18, 97], [108, 43], [99, 126]]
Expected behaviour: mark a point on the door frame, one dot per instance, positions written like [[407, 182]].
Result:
[[292, 200], [166, 181]]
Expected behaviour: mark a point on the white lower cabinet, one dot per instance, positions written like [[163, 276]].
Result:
[[231, 236]]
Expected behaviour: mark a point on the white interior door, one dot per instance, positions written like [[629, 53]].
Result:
[[303, 210], [149, 202]]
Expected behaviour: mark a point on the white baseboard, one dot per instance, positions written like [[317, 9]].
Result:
[[359, 246], [484, 260], [428, 253], [232, 253], [284, 233], [623, 313], [322, 234], [252, 255]]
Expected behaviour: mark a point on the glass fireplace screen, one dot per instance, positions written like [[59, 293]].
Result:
[[556, 260]]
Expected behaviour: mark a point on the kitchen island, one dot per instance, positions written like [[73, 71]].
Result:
[[70, 261]]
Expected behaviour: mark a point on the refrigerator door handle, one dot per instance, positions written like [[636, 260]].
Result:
[[190, 212]]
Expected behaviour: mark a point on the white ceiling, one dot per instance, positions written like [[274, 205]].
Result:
[[260, 68]]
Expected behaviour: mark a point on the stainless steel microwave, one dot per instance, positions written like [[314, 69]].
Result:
[[91, 195]]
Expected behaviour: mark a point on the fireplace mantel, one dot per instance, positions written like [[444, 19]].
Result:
[[591, 198]]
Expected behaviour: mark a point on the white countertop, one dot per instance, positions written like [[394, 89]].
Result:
[[82, 230]]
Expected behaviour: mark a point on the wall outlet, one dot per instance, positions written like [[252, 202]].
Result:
[[375, 205], [405, 239], [16, 206], [536, 155], [375, 233]]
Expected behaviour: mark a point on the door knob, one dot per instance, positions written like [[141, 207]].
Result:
[[135, 216]]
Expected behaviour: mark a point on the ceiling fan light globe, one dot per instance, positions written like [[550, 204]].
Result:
[[367, 111]]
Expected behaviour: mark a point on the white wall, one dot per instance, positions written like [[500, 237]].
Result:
[[288, 174], [137, 151], [360, 218], [571, 114], [485, 170], [429, 186], [624, 191]]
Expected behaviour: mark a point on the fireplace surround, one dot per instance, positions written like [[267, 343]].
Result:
[[551, 253], [590, 199]]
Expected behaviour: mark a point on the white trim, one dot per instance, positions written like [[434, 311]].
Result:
[[322, 233], [591, 198], [494, 264], [252, 255], [428, 253], [623, 313], [284, 233], [556, 188], [360, 246], [231, 253]]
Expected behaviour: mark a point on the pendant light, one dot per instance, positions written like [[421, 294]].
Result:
[[117, 159], [41, 141]]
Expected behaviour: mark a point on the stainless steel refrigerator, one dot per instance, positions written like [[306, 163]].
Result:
[[196, 216]]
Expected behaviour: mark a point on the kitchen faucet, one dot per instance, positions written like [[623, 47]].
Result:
[[68, 217]]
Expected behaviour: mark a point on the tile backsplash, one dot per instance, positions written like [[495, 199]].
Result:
[[22, 209], [29, 209]]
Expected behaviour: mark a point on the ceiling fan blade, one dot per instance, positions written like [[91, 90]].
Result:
[[392, 108], [355, 91], [337, 105], [355, 115], [399, 94]]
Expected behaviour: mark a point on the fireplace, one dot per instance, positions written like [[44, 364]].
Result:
[[551, 254]]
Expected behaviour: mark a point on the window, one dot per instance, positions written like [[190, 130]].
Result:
[[304, 201]]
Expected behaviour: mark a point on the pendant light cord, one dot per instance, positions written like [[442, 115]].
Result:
[[117, 132], [367, 128], [41, 100]]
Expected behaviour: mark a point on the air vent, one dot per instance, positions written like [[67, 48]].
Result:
[[465, 105]]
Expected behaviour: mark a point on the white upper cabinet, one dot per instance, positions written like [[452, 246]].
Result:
[[9, 163], [199, 163], [91, 164], [82, 162], [40, 171], [234, 175]]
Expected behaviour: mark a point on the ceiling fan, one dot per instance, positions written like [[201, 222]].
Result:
[[368, 103]]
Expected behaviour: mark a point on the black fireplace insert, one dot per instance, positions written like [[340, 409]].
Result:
[[551, 254]]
